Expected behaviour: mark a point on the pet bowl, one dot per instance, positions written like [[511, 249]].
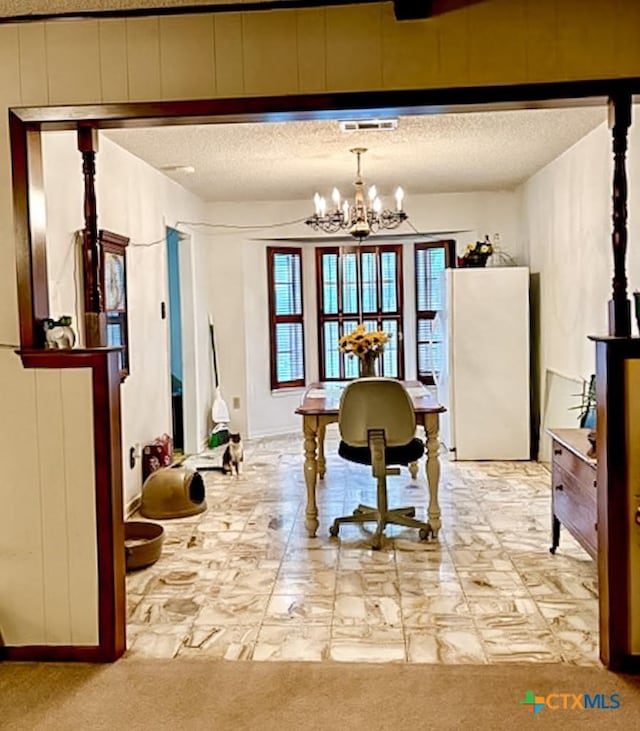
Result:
[[173, 492], [142, 543]]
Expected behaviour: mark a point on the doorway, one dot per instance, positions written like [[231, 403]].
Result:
[[183, 341], [175, 338], [102, 520]]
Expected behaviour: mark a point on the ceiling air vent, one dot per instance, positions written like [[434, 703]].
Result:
[[364, 125]]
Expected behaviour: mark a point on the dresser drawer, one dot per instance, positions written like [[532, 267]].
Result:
[[574, 502], [584, 472]]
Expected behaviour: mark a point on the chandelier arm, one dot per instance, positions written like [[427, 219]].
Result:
[[358, 218]]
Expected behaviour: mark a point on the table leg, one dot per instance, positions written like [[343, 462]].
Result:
[[322, 463], [432, 469], [310, 427]]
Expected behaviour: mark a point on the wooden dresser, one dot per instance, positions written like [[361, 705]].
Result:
[[573, 489]]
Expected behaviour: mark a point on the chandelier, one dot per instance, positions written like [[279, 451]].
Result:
[[360, 218]]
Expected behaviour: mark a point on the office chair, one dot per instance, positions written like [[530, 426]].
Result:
[[377, 427]]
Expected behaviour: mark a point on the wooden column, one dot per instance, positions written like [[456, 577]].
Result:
[[30, 225], [619, 306], [95, 320], [618, 499]]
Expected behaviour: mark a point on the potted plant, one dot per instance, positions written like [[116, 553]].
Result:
[[587, 411], [587, 405]]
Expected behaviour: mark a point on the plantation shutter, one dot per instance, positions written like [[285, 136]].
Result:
[[286, 317], [358, 284], [430, 262]]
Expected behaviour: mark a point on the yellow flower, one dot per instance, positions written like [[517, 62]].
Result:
[[361, 341]]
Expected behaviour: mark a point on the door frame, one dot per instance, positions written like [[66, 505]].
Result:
[[25, 127]]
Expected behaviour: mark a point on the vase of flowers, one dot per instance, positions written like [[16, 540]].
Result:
[[366, 345], [476, 255]]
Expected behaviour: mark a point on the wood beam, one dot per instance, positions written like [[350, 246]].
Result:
[[412, 9], [30, 225]]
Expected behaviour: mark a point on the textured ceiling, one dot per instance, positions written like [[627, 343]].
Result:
[[426, 154]]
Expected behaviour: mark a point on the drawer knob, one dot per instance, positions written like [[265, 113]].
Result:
[[559, 487], [557, 451]]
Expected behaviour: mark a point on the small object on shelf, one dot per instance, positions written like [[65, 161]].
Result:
[[476, 255], [58, 334]]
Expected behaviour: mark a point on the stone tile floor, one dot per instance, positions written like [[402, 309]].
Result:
[[243, 581]]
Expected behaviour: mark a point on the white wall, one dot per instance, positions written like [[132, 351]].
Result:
[[566, 228], [238, 263], [134, 200]]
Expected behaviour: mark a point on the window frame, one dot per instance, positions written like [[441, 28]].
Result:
[[274, 319], [379, 315], [449, 246]]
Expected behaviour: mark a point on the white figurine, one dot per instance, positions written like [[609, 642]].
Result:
[[59, 333]]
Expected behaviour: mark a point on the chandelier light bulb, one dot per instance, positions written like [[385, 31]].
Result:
[[359, 217]]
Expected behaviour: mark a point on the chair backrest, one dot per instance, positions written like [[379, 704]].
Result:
[[376, 403]]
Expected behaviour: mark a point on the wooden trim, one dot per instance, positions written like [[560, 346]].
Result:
[[619, 305], [613, 497], [26, 123], [93, 295], [312, 106], [275, 319], [204, 9], [52, 653], [31, 258], [105, 368]]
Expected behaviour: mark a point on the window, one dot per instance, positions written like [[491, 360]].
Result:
[[358, 284], [284, 267], [431, 259]]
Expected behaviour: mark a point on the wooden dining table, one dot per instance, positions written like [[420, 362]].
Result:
[[320, 406]]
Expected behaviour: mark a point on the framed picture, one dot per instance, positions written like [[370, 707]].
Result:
[[113, 265]]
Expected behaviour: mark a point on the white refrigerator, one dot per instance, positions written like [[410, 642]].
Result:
[[484, 380]]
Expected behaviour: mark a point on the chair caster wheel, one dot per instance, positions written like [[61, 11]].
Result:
[[552, 550], [425, 534], [333, 531]]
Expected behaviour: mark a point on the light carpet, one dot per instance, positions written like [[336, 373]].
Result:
[[220, 695]]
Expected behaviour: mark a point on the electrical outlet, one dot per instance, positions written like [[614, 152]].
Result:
[[236, 402]]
